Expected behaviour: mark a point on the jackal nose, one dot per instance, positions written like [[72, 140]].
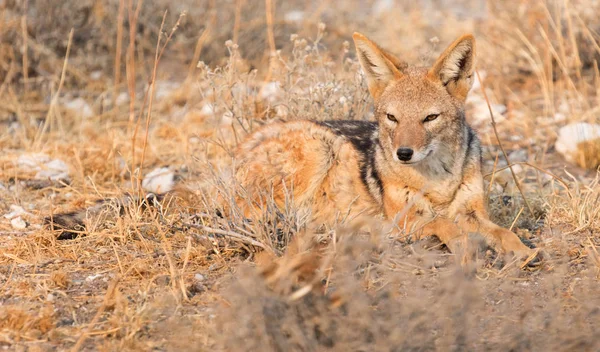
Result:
[[404, 154]]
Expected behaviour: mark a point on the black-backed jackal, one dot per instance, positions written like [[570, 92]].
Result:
[[418, 164]]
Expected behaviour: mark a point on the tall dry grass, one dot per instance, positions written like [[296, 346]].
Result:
[[176, 275]]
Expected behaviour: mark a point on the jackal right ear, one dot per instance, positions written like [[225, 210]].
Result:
[[454, 68], [380, 67]]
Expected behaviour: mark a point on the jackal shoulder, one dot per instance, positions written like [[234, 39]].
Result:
[[364, 137]]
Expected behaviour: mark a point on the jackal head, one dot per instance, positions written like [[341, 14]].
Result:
[[420, 110]]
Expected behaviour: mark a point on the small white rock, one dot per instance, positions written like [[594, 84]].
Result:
[[294, 16], [271, 92], [18, 223], [164, 88], [92, 277], [560, 117], [227, 118], [54, 169], [80, 107], [122, 98], [207, 110], [572, 134], [159, 180], [32, 161], [15, 211], [480, 112], [96, 75], [518, 155], [382, 6], [199, 277]]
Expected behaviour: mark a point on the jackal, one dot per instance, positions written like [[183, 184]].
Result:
[[418, 164]]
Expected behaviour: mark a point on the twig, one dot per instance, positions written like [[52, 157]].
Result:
[[270, 38], [54, 100], [25, 47], [157, 57], [204, 37], [270, 35], [120, 15], [130, 59], [563, 182], [515, 220], [235, 236], [237, 20], [501, 146], [110, 292]]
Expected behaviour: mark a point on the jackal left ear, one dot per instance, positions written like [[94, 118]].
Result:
[[380, 66], [455, 66]]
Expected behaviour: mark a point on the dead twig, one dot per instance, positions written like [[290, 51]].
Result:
[[501, 146], [110, 292], [233, 235], [554, 176]]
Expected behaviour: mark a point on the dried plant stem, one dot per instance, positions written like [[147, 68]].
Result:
[[130, 74], [157, 56], [554, 176], [494, 170], [151, 98], [270, 37], [130, 58], [204, 37], [233, 235], [50, 113], [25, 48], [516, 219], [110, 292], [517, 183], [119, 48], [239, 4]]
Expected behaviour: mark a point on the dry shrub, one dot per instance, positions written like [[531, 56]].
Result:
[[18, 323], [182, 286], [363, 303], [588, 154], [581, 211], [60, 279]]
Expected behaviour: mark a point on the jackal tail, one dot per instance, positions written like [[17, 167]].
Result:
[[72, 224]]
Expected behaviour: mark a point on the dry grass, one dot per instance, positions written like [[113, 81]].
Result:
[[177, 276]]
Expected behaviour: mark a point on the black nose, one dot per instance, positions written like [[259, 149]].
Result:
[[404, 154]]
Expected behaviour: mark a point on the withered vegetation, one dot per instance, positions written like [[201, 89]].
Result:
[[117, 88]]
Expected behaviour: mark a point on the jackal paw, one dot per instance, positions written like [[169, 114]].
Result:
[[530, 257]]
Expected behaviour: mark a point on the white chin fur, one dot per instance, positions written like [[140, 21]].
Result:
[[418, 156]]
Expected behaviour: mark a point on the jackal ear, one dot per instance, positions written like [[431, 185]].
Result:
[[455, 66], [395, 60], [380, 67]]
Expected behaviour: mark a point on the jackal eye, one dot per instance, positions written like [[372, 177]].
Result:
[[431, 117], [391, 117]]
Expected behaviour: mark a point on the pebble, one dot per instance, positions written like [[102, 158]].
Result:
[[80, 107], [159, 180], [15, 211], [46, 168], [18, 223], [571, 135]]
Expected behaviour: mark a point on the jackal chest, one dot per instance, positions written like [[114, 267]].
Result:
[[425, 199]]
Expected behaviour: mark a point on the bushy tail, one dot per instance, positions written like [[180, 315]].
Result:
[[73, 224]]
